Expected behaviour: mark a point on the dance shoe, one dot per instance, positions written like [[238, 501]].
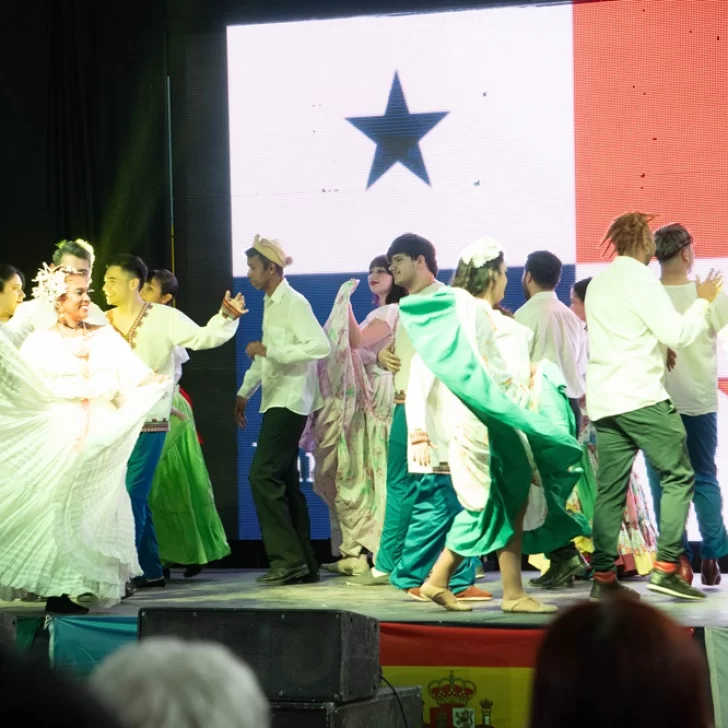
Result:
[[347, 567], [606, 586], [279, 577], [444, 598], [685, 569], [63, 605], [561, 573], [193, 570], [672, 584], [527, 605], [710, 572], [471, 594], [140, 582], [368, 579]]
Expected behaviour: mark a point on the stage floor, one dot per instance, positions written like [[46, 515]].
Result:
[[237, 588]]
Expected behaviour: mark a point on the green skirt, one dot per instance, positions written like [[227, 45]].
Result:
[[189, 530]]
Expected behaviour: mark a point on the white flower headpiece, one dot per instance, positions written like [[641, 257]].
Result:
[[481, 252], [51, 283]]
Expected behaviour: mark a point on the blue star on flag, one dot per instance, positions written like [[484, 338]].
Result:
[[397, 135]]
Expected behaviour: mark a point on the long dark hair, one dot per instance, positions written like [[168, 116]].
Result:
[[476, 281], [656, 675], [7, 273], [395, 292]]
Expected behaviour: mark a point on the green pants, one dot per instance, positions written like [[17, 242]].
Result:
[[659, 432]]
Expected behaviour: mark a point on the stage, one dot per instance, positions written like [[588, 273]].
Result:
[[485, 656]]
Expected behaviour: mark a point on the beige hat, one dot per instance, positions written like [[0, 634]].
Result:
[[272, 250]]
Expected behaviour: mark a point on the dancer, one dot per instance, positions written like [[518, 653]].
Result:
[[182, 502], [36, 314], [462, 334], [285, 364], [629, 314], [413, 536], [692, 384], [66, 526], [154, 332], [349, 435], [12, 283]]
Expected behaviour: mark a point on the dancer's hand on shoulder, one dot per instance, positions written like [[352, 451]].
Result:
[[388, 360], [711, 286], [240, 419]]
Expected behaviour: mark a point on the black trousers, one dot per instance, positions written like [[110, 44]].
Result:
[[276, 486]]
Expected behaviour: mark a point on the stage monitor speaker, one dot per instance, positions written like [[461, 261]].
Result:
[[7, 631], [297, 654], [385, 710]]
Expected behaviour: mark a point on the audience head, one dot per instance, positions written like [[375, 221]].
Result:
[[164, 682], [481, 271], [412, 261], [674, 247], [381, 282], [578, 297], [12, 283], [161, 286], [34, 695], [75, 254], [619, 662], [125, 276], [542, 272], [630, 235]]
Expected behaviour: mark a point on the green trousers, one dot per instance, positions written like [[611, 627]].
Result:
[[659, 432]]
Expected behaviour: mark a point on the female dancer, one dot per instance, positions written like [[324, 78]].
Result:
[[72, 403], [467, 412], [637, 546], [12, 283], [349, 435], [189, 529]]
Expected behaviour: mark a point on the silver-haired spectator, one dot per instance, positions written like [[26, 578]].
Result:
[[165, 682]]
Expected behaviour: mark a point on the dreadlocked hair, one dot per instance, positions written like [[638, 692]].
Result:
[[626, 232]]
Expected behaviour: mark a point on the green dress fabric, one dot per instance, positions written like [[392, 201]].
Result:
[[189, 530], [437, 329]]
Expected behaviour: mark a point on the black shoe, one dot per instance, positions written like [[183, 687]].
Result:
[[129, 590], [139, 582], [561, 573], [192, 571], [166, 573], [312, 577], [609, 590], [672, 585], [63, 605], [278, 577]]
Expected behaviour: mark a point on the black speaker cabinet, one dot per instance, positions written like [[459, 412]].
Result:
[[384, 710], [7, 631], [297, 654]]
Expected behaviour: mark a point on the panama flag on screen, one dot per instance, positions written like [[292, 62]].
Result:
[[346, 133]]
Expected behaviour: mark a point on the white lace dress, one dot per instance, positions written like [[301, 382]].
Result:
[[70, 414]]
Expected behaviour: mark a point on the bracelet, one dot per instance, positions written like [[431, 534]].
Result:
[[228, 311], [418, 437]]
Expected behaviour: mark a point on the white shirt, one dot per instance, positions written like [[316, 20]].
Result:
[[294, 341], [558, 336], [693, 383], [155, 338], [629, 315], [403, 348]]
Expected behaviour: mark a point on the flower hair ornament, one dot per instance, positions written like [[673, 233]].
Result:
[[51, 283], [482, 251]]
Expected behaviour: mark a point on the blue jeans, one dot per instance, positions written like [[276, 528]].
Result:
[[702, 442], [139, 478]]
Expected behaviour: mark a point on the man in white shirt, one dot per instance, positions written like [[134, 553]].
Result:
[[413, 263], [38, 314], [284, 363], [629, 315], [155, 332], [693, 388], [558, 337]]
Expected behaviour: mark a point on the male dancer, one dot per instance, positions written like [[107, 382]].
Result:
[[284, 362], [558, 337], [413, 264], [692, 386], [629, 315], [39, 314], [154, 331]]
